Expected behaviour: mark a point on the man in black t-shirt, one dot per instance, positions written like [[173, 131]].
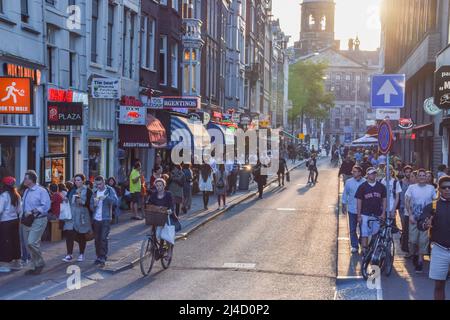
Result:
[[371, 203]]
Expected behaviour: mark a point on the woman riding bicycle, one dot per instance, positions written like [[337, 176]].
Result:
[[162, 198]]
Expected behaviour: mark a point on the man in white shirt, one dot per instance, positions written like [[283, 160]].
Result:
[[418, 196]]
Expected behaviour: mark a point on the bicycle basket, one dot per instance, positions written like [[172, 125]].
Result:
[[156, 218]]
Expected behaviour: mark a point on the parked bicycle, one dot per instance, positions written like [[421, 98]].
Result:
[[381, 251]]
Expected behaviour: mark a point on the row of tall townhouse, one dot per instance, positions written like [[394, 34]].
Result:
[[94, 56]]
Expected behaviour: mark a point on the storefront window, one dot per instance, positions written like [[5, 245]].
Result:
[[95, 159], [9, 157], [56, 163], [57, 144]]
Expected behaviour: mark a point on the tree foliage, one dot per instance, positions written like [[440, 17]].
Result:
[[307, 90]]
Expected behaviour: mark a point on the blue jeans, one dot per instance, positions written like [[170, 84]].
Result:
[[353, 223], [101, 231]]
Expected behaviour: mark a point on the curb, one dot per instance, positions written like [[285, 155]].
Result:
[[184, 235]]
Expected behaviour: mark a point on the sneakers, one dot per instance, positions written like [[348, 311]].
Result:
[[80, 258], [15, 265], [68, 258], [354, 250], [419, 267], [5, 269]]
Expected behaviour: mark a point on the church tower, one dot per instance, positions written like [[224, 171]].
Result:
[[317, 25]]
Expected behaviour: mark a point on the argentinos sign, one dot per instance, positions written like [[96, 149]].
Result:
[[173, 103], [16, 96], [442, 87], [65, 113]]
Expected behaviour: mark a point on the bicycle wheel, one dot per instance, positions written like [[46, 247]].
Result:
[[166, 259], [390, 255], [147, 257]]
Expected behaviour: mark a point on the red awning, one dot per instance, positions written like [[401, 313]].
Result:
[[156, 132], [428, 126], [131, 136]]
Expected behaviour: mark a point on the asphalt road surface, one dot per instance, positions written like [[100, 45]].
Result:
[[280, 247]]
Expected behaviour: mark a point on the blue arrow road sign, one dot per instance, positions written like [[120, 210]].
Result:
[[388, 91]]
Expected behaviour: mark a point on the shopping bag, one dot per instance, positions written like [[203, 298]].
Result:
[[65, 212], [168, 233], [288, 177]]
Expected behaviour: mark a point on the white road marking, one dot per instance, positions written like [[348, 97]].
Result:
[[286, 209], [239, 265], [343, 239]]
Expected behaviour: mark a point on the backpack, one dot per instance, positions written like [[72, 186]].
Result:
[[221, 182]]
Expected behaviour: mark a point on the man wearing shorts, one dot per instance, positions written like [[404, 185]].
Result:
[[371, 204], [437, 217], [135, 189]]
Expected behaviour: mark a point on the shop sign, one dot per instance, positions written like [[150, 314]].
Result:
[[174, 103], [58, 95], [132, 115], [430, 108], [14, 70], [264, 124], [65, 113], [405, 123], [130, 101], [442, 87], [16, 95], [245, 119], [105, 88], [194, 117]]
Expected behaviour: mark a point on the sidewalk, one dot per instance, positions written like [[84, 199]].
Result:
[[124, 243], [402, 284]]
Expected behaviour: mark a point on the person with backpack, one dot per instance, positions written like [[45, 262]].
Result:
[[187, 187], [436, 218], [260, 178], [394, 197], [205, 183], [176, 185], [282, 169], [220, 181]]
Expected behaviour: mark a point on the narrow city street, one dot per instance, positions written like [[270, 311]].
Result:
[[284, 245]]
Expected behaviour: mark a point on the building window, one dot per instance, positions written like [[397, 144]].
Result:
[[109, 56], [50, 63], [337, 123], [24, 11], [51, 2], [148, 43], [72, 2], [357, 124], [163, 60], [124, 37], [163, 2], [71, 68], [174, 62], [175, 5], [347, 77], [94, 30], [132, 29], [338, 77], [347, 122]]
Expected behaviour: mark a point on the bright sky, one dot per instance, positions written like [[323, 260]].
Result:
[[353, 17]]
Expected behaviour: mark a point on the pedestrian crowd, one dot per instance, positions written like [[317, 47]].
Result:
[[419, 200]]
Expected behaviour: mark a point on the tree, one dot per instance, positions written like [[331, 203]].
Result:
[[307, 91]]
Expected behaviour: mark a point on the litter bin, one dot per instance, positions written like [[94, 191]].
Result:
[[244, 179]]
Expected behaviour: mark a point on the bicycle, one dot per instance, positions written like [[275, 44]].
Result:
[[381, 251], [153, 250]]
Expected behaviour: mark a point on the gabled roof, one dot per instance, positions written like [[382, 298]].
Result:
[[333, 57]]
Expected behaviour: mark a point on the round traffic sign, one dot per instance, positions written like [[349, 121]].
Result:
[[385, 137]]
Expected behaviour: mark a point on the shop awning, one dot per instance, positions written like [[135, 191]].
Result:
[[156, 132], [186, 130], [367, 140], [131, 136], [227, 133]]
